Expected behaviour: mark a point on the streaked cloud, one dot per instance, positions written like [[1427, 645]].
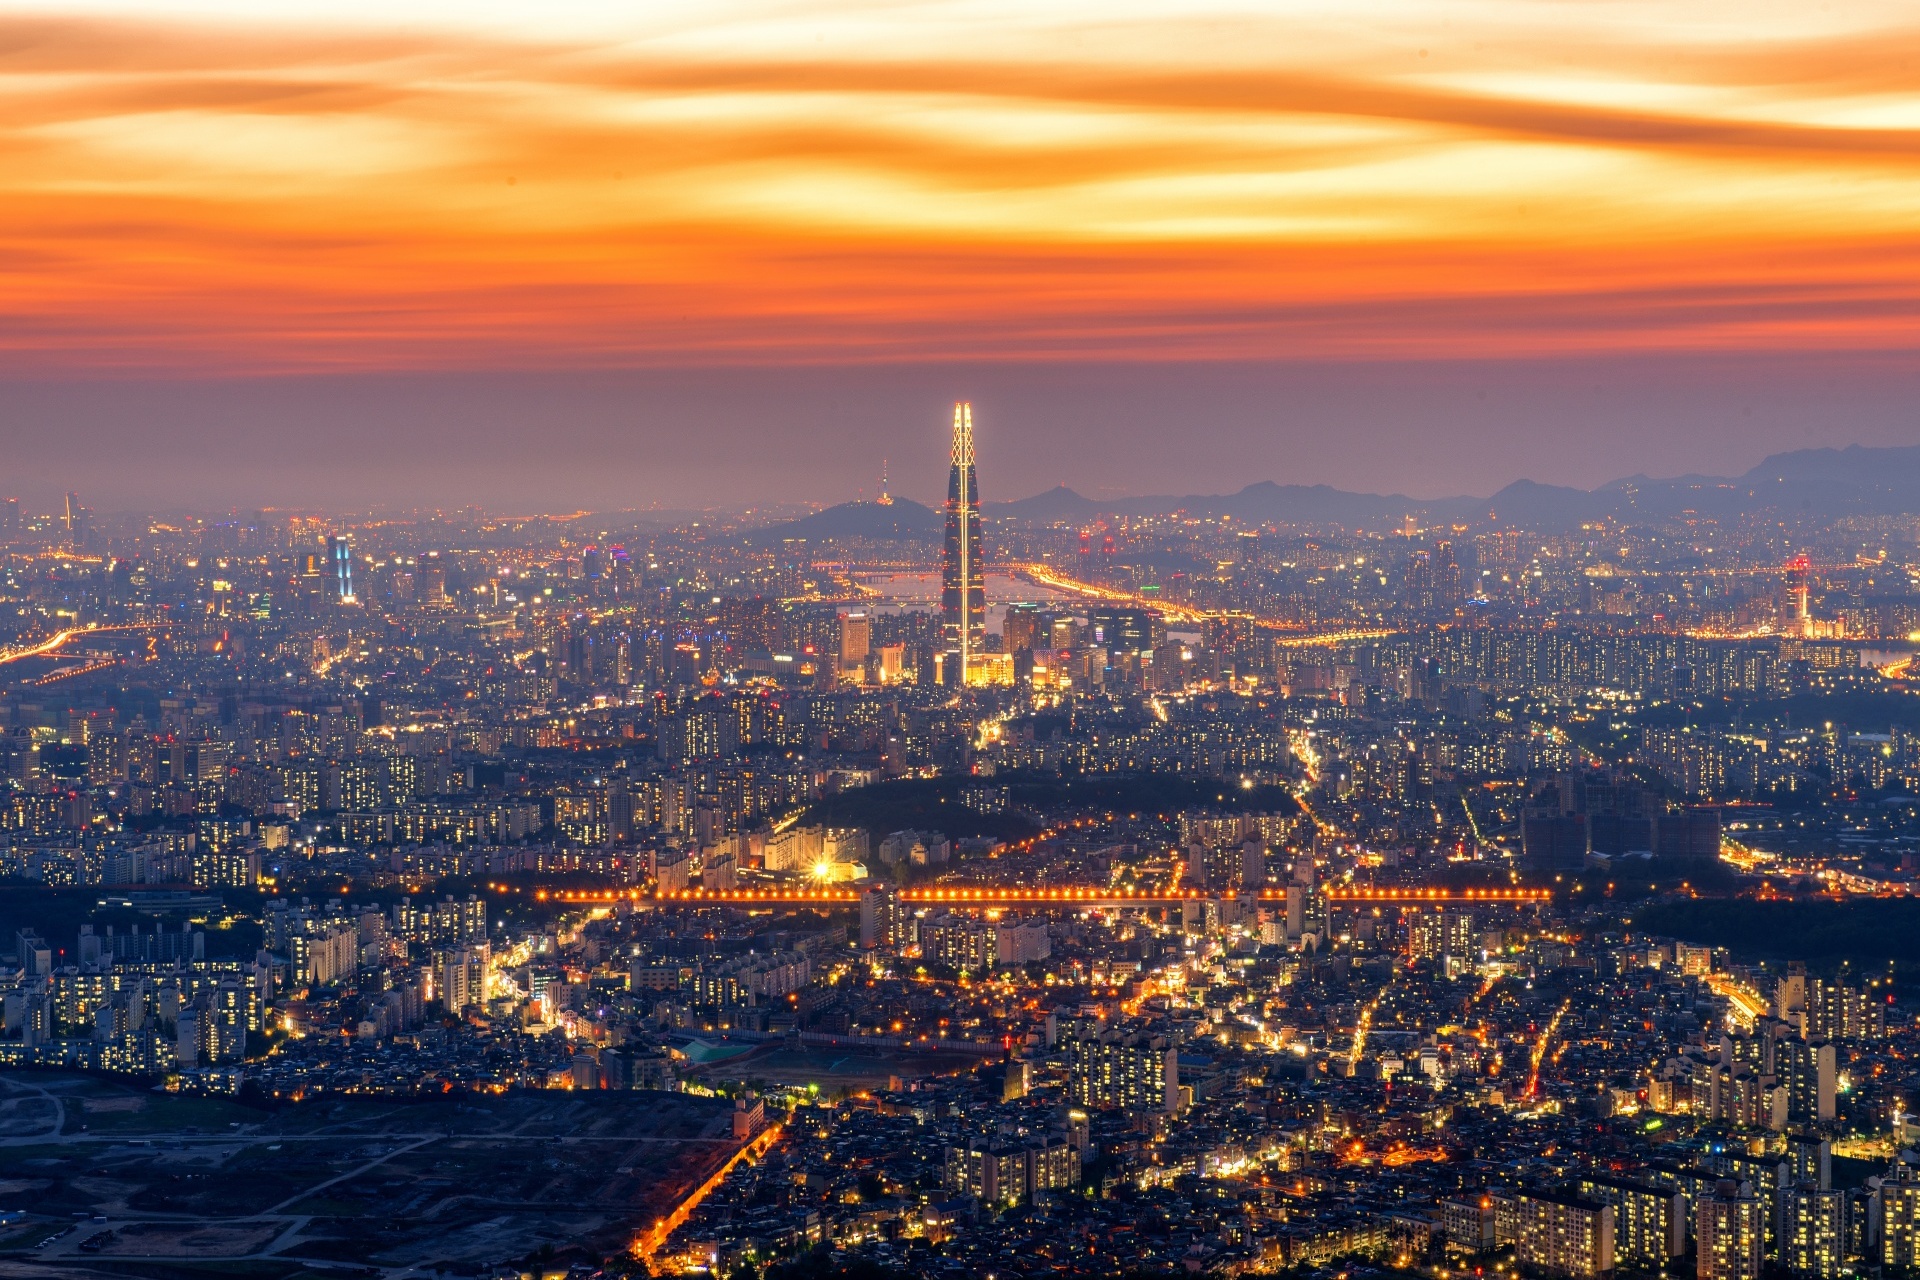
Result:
[[186, 187]]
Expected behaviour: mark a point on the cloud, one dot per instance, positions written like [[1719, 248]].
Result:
[[1513, 180]]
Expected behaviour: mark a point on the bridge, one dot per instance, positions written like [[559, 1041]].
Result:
[[1064, 896], [58, 640]]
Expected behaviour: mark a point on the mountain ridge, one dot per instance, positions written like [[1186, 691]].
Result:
[[1854, 480]]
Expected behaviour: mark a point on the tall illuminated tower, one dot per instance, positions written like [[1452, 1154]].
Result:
[[963, 605], [340, 556]]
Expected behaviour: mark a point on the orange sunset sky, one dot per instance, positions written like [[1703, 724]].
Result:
[[742, 250], [393, 186]]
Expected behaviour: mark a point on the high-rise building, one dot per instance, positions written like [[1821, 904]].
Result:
[[1005, 1174], [1730, 1233], [1813, 1235], [1124, 630], [1138, 1072], [340, 558], [1900, 1215], [76, 520], [1795, 612], [881, 919], [1026, 627], [433, 577], [963, 603], [1835, 1011], [1810, 1161], [1563, 1235], [1808, 1070], [1434, 934], [856, 640], [1649, 1220]]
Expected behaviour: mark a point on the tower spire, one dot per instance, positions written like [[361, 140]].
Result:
[[963, 434]]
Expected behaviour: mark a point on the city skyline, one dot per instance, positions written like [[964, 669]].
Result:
[[1527, 888]]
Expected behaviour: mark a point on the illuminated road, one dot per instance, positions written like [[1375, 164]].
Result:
[[1047, 576], [1540, 1050], [53, 643], [42, 649], [1312, 638], [650, 1241], [988, 896], [1361, 1028], [1747, 1004]]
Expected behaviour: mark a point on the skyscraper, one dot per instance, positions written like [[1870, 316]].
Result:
[[963, 605], [340, 554], [856, 642], [1799, 572], [76, 521]]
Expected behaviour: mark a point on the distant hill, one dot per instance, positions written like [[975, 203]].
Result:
[[902, 520], [1057, 503], [1850, 481], [1257, 503]]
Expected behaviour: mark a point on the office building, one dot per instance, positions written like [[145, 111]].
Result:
[[856, 642], [75, 521], [1026, 628], [1124, 630], [1795, 611]]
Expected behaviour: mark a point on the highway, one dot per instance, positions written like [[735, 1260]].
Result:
[[42, 649], [53, 643]]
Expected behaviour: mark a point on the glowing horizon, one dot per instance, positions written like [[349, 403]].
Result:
[[189, 189]]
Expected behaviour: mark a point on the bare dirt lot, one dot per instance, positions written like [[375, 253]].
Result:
[[130, 1182]]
